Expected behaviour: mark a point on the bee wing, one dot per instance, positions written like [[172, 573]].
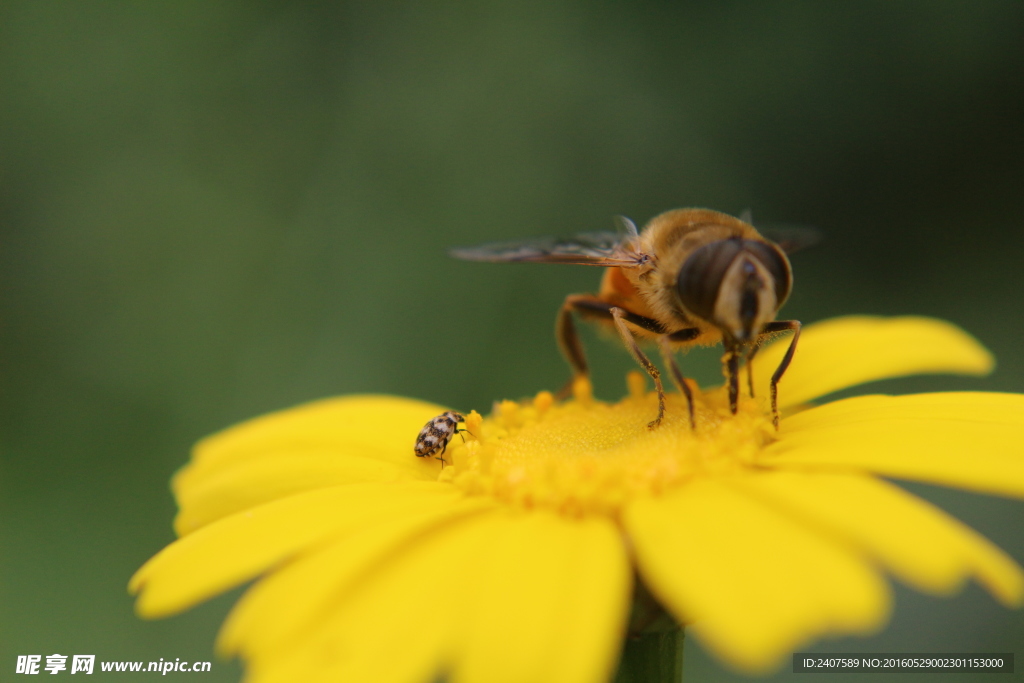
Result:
[[586, 249], [791, 238]]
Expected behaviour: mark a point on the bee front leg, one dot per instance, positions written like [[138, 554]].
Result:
[[619, 315], [731, 360], [770, 328], [750, 366]]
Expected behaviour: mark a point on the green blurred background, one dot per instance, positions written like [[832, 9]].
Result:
[[210, 210]]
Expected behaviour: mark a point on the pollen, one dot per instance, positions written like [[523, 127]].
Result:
[[584, 456]]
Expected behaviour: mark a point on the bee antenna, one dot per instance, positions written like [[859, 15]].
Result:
[[625, 225]]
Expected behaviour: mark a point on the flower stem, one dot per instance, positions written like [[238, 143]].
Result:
[[654, 657]]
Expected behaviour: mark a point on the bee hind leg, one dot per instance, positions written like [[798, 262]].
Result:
[[569, 343], [592, 307]]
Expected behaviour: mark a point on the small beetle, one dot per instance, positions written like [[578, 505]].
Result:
[[436, 434]]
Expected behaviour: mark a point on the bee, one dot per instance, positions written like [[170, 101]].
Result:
[[691, 277], [436, 434]]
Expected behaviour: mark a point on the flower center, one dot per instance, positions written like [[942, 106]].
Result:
[[585, 456]]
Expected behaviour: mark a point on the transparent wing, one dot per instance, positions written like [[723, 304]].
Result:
[[587, 249], [790, 238], [626, 227]]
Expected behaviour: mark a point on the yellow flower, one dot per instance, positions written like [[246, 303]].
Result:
[[516, 562]]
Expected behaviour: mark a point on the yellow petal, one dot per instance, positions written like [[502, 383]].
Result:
[[753, 583], [398, 625], [919, 543], [241, 546], [295, 596], [852, 350], [550, 603], [341, 440], [964, 439], [247, 483]]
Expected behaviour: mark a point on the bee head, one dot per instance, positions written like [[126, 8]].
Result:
[[736, 284]]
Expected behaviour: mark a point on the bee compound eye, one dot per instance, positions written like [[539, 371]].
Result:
[[700, 278], [777, 265]]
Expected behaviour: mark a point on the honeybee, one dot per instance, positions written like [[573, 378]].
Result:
[[691, 277], [436, 434]]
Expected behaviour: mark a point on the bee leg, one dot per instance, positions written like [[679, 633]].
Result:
[[569, 343], [781, 326], [677, 375], [750, 366], [732, 372], [618, 315]]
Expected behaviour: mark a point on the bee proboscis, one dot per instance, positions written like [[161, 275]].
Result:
[[436, 434], [691, 277]]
